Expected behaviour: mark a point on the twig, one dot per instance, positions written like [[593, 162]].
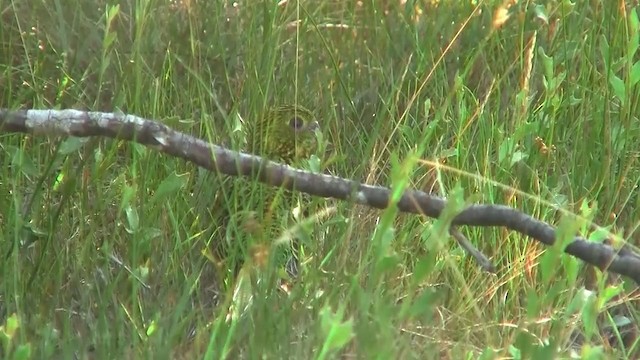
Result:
[[480, 258], [212, 157]]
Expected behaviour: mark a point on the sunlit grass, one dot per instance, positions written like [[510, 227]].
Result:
[[105, 244]]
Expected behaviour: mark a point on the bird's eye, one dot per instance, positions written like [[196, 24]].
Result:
[[296, 123]]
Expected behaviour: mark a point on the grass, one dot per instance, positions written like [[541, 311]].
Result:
[[533, 107]]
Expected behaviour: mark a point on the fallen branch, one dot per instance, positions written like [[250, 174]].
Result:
[[212, 157]]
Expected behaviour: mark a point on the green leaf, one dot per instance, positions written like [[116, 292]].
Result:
[[22, 161], [515, 353], [385, 236], [133, 220], [59, 181], [541, 13], [385, 264], [22, 352], [589, 316], [604, 51], [337, 333], [151, 233], [593, 353], [505, 149], [128, 195], [507, 152], [566, 7], [423, 268], [634, 21], [578, 301], [71, 145], [151, 328], [424, 304], [609, 293], [11, 326], [599, 234], [634, 75], [170, 186], [550, 260], [634, 40], [314, 164], [632, 46], [400, 176], [488, 354], [518, 156], [618, 87], [547, 63]]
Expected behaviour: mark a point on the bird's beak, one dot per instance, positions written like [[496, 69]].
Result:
[[314, 126]]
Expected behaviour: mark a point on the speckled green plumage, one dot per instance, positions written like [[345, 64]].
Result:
[[252, 214], [285, 133]]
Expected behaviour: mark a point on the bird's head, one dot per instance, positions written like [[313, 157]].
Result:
[[285, 133]]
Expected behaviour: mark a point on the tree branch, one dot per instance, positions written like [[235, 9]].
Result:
[[215, 158]]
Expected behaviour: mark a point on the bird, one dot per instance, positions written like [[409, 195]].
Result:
[[249, 215], [285, 133]]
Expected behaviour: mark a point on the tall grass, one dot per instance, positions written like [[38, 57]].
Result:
[[104, 243]]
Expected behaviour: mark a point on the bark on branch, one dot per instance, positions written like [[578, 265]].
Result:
[[215, 158]]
